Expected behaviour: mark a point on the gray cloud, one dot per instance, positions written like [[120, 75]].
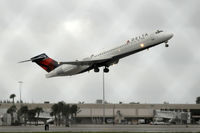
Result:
[[69, 30]]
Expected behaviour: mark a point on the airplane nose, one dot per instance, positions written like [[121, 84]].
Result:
[[170, 35]]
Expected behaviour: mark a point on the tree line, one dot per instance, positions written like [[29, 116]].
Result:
[[24, 114], [63, 113]]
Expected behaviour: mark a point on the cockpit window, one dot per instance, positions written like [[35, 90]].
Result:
[[158, 31]]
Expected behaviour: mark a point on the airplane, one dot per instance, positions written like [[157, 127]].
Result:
[[104, 59]]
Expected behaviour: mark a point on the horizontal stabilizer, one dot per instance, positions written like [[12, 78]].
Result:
[[24, 61]]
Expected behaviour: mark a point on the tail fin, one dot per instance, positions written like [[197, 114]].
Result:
[[45, 62]]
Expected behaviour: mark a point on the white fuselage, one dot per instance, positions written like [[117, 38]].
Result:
[[135, 45]]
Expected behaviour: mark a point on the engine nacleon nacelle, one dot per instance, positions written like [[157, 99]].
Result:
[[61, 71], [112, 62]]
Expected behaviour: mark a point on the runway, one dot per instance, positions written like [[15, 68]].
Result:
[[105, 128]]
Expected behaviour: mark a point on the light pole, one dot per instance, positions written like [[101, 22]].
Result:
[[20, 87], [103, 99]]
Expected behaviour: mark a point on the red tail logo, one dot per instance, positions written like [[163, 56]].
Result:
[[45, 62]]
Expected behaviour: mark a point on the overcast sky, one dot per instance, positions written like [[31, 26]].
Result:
[[67, 30]]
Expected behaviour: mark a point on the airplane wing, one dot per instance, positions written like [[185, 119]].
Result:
[[87, 62]]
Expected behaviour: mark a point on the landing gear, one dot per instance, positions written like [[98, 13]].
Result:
[[106, 70], [166, 45], [96, 69]]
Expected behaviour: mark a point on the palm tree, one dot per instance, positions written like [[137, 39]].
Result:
[[38, 111], [31, 115], [12, 96], [23, 111], [10, 111], [55, 112], [65, 113], [74, 109], [198, 100], [60, 110], [63, 110]]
